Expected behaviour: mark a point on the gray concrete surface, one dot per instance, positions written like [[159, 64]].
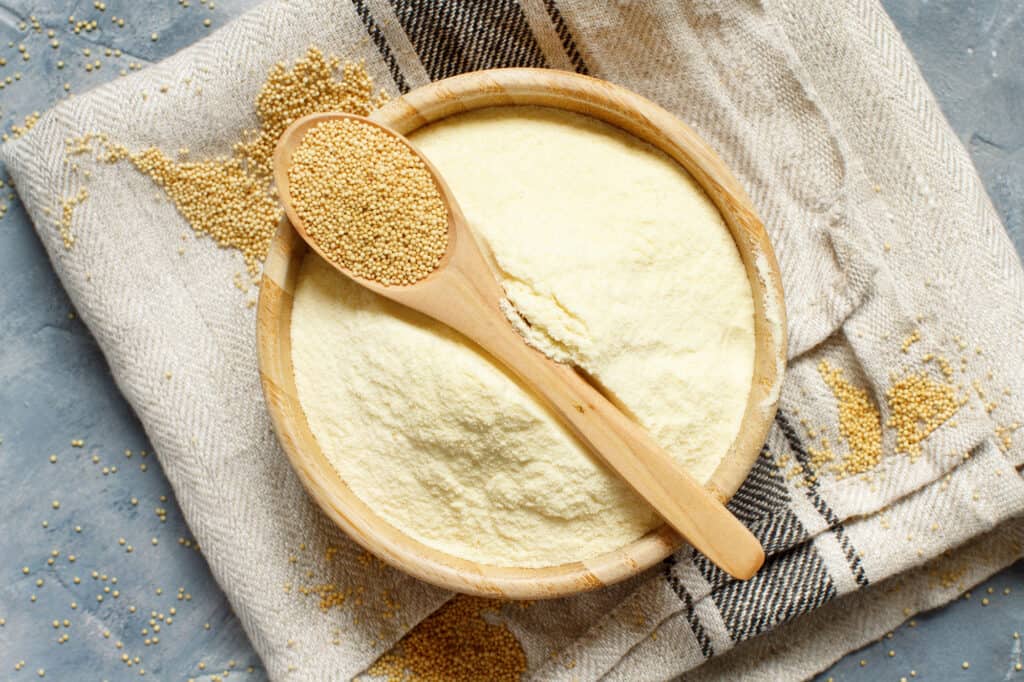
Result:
[[55, 387]]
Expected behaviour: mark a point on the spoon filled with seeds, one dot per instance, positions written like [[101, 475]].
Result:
[[364, 199]]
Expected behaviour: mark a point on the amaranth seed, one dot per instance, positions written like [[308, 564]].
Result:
[[369, 202]]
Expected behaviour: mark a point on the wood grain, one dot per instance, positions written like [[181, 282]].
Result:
[[635, 115]]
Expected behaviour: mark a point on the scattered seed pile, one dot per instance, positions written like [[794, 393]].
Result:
[[914, 337], [307, 88], [231, 199], [327, 594], [217, 198], [1004, 435], [30, 122], [67, 210], [859, 422], [919, 402], [948, 576], [369, 202], [455, 643], [919, 405]]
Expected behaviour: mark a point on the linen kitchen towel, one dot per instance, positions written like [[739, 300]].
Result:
[[889, 480]]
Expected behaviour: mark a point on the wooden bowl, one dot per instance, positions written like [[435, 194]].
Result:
[[645, 120]]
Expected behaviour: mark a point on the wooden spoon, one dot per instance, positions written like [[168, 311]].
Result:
[[464, 293]]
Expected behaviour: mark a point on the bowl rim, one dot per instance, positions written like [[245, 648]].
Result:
[[643, 119]]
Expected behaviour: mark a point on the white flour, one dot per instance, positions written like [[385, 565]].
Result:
[[618, 261]]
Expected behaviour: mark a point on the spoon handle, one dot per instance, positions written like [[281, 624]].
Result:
[[621, 443]]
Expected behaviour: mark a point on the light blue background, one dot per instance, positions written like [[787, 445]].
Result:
[[55, 386]]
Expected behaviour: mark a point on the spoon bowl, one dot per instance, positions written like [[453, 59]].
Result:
[[464, 293], [290, 141]]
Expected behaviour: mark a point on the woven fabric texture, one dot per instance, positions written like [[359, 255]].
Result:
[[882, 230]]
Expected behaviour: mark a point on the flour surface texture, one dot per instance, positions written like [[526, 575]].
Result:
[[620, 264]]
